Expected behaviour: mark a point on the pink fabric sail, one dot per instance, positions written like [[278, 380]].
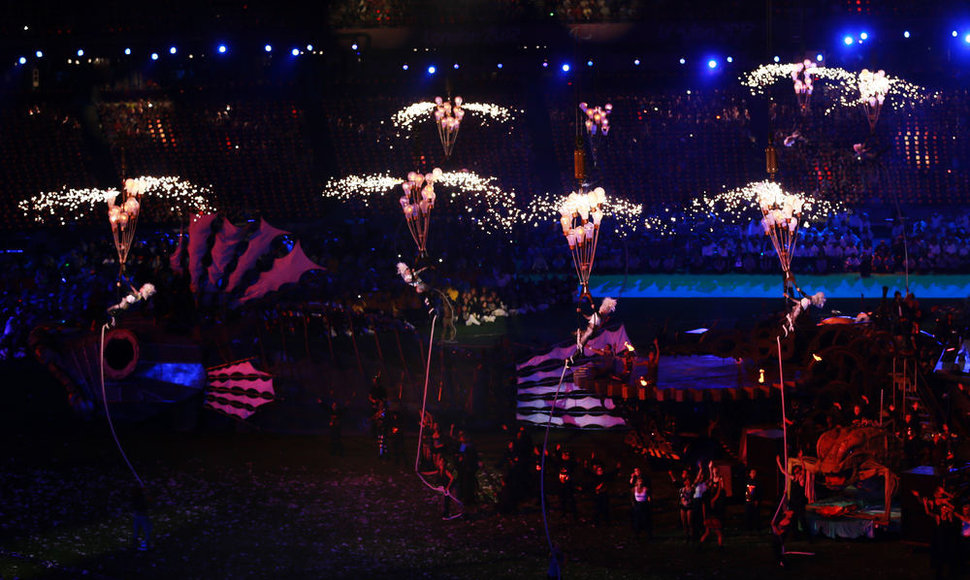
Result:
[[258, 244], [223, 250], [238, 389], [199, 231], [285, 270]]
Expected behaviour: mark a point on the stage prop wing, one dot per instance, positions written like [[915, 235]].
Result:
[[199, 231], [227, 240], [285, 270], [259, 243]]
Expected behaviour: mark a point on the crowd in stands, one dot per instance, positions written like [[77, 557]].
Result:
[[54, 278], [384, 13], [258, 155], [268, 156], [847, 242]]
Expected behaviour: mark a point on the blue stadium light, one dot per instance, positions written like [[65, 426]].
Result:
[[80, 52], [172, 50], [636, 62], [589, 63], [848, 40], [683, 60], [905, 34], [455, 66], [955, 34], [309, 47], [154, 56], [967, 38], [404, 67], [222, 49], [128, 52], [819, 57], [295, 52], [39, 54], [268, 48], [353, 46], [22, 60], [730, 59], [864, 36], [565, 67], [777, 59], [432, 70], [545, 64], [712, 64], [499, 65]]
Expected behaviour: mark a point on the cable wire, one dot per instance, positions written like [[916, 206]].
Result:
[[424, 406], [542, 469], [107, 413]]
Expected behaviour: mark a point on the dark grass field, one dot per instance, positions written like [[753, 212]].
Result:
[[257, 505], [234, 501]]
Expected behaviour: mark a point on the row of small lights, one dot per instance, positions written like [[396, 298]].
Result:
[[432, 69], [712, 63], [566, 67], [221, 49], [862, 37]]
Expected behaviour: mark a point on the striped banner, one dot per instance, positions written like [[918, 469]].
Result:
[[577, 408], [238, 389]]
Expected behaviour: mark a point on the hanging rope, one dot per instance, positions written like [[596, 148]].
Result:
[[542, 470], [107, 413], [424, 407]]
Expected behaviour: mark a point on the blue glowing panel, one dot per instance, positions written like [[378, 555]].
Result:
[[188, 375]]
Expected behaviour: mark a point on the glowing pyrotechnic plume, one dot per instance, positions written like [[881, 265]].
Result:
[[705, 214], [873, 87], [448, 116], [406, 118], [360, 188], [176, 197], [490, 208], [581, 216], [597, 118], [782, 214], [801, 75], [842, 88], [734, 207], [840, 80], [171, 196], [626, 216], [477, 199], [417, 203]]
